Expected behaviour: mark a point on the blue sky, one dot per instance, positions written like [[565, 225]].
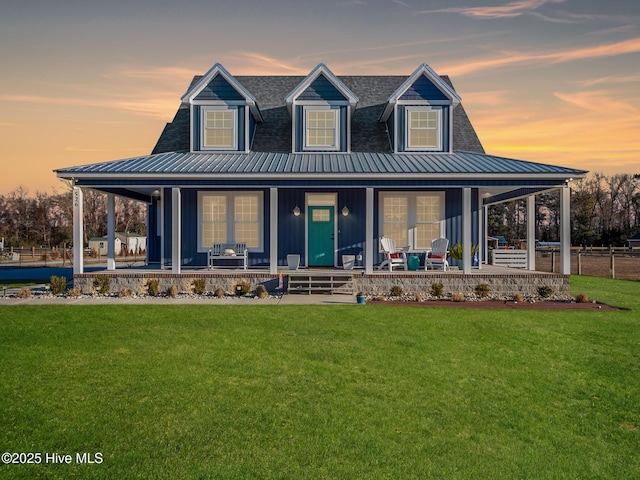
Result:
[[552, 81]]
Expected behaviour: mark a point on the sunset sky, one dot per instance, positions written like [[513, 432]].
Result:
[[82, 81]]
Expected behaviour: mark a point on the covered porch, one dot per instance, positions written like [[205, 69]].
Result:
[[357, 214]]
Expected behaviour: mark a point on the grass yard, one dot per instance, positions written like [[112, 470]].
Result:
[[313, 392]]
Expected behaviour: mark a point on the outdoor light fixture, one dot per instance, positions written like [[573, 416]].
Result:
[[296, 211], [156, 193], [345, 211]]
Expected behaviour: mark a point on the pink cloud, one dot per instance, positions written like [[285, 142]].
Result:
[[513, 9]]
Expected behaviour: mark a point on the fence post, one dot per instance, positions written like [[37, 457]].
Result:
[[579, 263], [613, 265], [553, 261]]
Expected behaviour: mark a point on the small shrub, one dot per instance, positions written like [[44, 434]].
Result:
[[102, 284], [396, 291], [582, 298], [58, 284], [54, 255], [482, 290], [124, 293], [419, 297], [261, 292], [241, 287], [74, 292], [219, 293], [24, 293], [199, 286], [457, 297], [437, 289], [517, 297], [172, 291], [545, 291], [153, 287], [93, 253]]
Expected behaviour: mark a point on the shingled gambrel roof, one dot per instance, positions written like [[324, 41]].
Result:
[[368, 134]]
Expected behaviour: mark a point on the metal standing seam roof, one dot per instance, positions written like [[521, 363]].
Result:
[[358, 163]]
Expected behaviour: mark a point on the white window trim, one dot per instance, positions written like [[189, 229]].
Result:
[[230, 195], [412, 222], [439, 128], [234, 126], [317, 108]]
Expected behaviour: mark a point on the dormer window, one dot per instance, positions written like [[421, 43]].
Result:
[[321, 128], [320, 108], [424, 128], [419, 113], [223, 113], [219, 130]]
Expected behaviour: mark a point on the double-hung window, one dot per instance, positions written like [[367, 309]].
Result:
[[412, 219], [321, 129], [228, 217], [424, 128], [219, 128]]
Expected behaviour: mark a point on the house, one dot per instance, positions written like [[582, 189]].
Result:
[[633, 241], [319, 166], [133, 242]]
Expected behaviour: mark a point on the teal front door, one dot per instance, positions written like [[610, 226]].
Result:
[[321, 236]]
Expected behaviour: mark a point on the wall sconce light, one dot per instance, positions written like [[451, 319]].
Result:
[[345, 211], [156, 193], [296, 211]]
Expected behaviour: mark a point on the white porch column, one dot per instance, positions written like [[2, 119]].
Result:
[[111, 232], [485, 233], [78, 231], [369, 243], [565, 230], [481, 235], [273, 230], [531, 232], [466, 230], [176, 230]]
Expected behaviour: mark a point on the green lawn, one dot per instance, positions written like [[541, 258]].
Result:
[[336, 392]]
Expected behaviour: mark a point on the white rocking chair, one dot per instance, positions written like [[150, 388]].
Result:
[[438, 256], [392, 255]]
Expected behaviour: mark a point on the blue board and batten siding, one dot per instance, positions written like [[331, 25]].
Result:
[[351, 229], [321, 89], [424, 89]]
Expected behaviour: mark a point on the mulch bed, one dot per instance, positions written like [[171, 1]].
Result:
[[487, 304]]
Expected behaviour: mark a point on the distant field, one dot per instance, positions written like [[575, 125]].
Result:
[[324, 392]]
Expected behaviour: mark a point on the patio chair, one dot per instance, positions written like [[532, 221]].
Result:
[[438, 256], [392, 255]]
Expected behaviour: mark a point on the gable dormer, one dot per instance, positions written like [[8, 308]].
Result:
[[320, 108], [419, 114], [223, 113]]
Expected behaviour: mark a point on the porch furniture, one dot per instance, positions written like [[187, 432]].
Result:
[[392, 254], [509, 257], [293, 261], [348, 262], [438, 256], [229, 251]]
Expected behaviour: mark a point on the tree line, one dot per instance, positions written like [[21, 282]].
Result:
[[605, 211], [46, 220]]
